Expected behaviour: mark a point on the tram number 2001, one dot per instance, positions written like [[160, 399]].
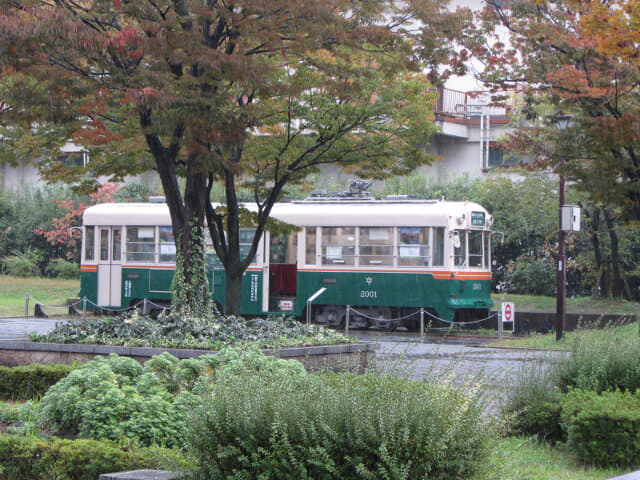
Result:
[[368, 294]]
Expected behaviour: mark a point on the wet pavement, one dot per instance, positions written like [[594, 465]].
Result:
[[18, 328]]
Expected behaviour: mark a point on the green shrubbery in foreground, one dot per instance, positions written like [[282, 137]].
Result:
[[30, 381], [29, 458], [241, 414], [590, 399], [339, 426]]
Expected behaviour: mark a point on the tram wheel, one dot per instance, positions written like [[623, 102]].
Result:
[[387, 326]]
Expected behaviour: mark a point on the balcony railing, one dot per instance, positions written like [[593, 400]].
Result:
[[469, 107]]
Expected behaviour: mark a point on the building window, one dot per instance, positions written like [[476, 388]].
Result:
[[73, 159], [498, 158]]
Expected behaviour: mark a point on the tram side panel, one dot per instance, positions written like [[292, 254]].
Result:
[[444, 295], [155, 284]]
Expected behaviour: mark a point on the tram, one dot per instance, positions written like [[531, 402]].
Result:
[[387, 259]]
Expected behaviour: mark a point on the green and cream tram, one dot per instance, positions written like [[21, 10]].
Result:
[[385, 258]]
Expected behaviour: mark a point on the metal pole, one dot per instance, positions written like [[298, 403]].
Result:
[[144, 306], [84, 309], [26, 306], [562, 260], [421, 323], [500, 325], [346, 323], [308, 313]]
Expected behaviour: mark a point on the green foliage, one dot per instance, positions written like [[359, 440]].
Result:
[[603, 428], [335, 426], [31, 381], [23, 264], [61, 268], [27, 458], [171, 330], [133, 192], [531, 276], [21, 214]]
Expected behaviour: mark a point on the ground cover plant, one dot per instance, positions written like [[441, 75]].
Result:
[[171, 330]]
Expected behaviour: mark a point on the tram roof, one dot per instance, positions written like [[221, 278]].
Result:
[[308, 213]]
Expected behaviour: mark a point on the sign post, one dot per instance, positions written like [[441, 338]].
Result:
[[508, 315]]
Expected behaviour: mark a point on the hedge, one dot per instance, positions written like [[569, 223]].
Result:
[[603, 429], [27, 458], [30, 381]]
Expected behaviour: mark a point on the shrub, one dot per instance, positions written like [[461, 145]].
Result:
[[605, 360], [61, 268], [117, 398], [603, 428], [31, 381], [114, 398], [26, 458], [530, 276], [335, 426], [533, 405], [22, 264]]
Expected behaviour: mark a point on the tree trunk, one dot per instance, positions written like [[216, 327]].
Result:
[[233, 292], [617, 285], [600, 286]]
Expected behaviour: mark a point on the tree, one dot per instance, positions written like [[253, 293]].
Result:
[[577, 58], [248, 93]]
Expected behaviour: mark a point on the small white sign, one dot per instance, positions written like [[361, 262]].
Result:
[[285, 305], [508, 312], [334, 252]]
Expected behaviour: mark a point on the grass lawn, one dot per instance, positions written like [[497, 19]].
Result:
[[530, 303], [47, 291], [516, 458]]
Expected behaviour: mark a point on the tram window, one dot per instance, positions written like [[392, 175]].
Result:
[[167, 245], [475, 248], [338, 245], [246, 239], [460, 248], [376, 246], [487, 249], [438, 247], [413, 246], [310, 246], [141, 244], [104, 244], [116, 244], [89, 239]]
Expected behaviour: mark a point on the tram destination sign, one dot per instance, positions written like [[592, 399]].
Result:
[[477, 219]]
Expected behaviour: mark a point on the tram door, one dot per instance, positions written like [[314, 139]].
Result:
[[283, 271], [110, 266]]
